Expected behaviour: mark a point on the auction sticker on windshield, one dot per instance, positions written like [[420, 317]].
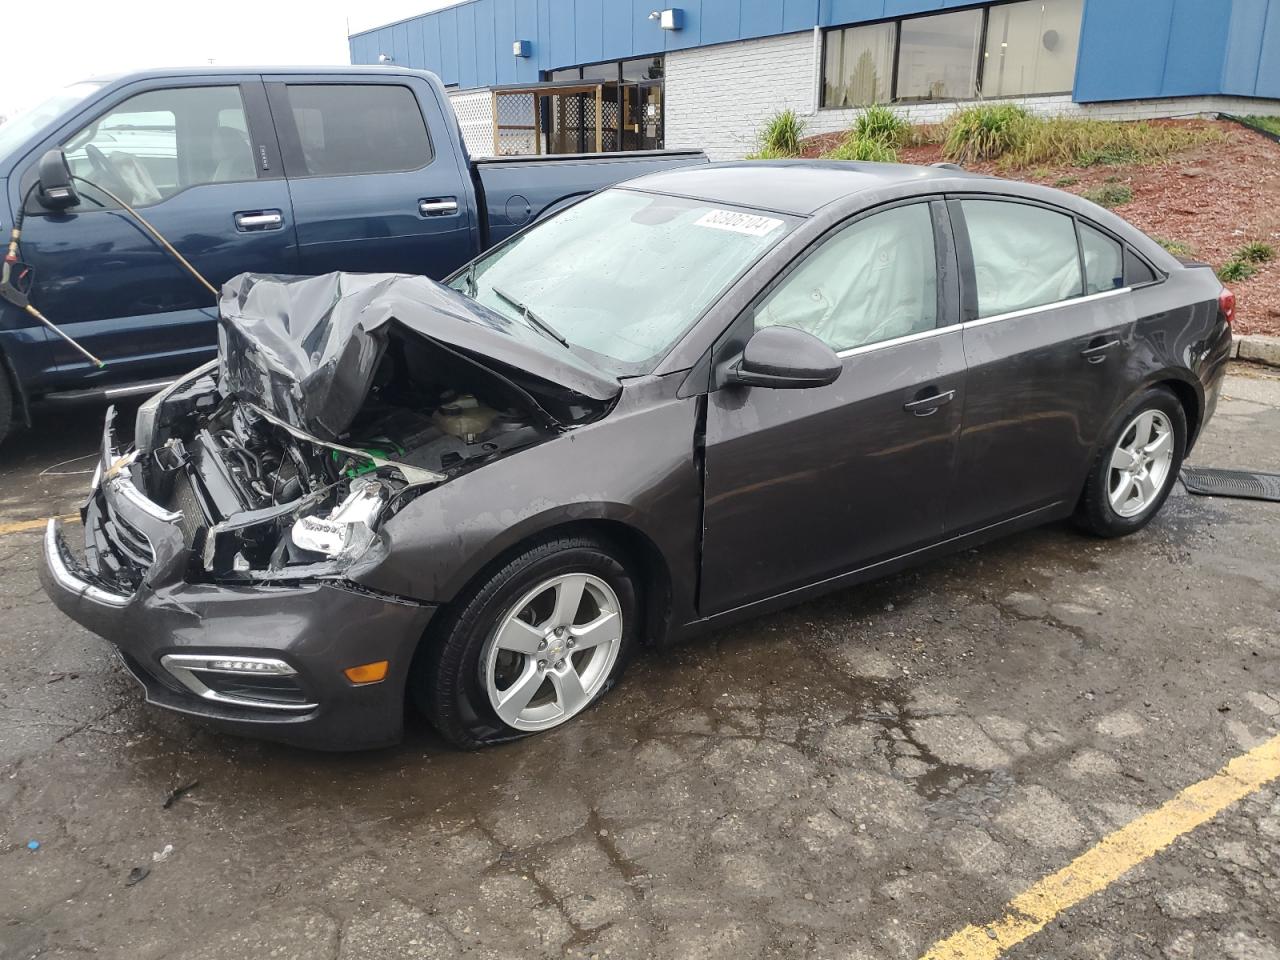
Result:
[[753, 225]]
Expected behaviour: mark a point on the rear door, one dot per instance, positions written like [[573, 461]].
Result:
[[801, 485], [1048, 336], [199, 160], [373, 190]]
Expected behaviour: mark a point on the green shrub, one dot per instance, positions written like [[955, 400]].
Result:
[[869, 151], [1256, 252], [1109, 195], [985, 132], [1067, 181], [1235, 270], [768, 154], [1087, 143], [781, 135], [882, 124], [1175, 247], [1270, 124]]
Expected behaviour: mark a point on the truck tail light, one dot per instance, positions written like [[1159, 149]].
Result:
[[1227, 306]]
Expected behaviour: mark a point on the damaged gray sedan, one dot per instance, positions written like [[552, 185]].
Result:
[[671, 406]]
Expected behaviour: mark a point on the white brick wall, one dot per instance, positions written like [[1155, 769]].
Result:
[[717, 98]]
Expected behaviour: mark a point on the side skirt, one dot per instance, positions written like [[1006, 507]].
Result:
[[875, 571]]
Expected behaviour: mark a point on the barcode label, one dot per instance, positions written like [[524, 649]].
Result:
[[753, 225]]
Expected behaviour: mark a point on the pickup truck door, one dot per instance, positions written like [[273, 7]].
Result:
[[198, 158], [379, 179]]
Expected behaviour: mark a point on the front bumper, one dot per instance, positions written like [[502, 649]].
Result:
[[306, 633]]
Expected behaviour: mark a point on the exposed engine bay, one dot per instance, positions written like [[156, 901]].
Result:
[[262, 497]]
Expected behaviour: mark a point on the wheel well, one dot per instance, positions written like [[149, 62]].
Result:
[[1186, 395], [637, 552]]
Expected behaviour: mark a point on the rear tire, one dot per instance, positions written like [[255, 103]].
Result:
[[511, 658], [1136, 466]]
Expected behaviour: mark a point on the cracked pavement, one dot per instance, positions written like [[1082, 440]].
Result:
[[851, 779]]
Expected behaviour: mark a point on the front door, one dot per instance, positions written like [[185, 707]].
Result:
[[199, 162], [802, 485], [1047, 355], [371, 191]]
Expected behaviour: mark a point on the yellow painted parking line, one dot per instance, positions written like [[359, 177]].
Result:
[[1113, 856], [22, 526]]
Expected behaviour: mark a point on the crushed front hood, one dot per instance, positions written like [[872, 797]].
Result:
[[306, 349]]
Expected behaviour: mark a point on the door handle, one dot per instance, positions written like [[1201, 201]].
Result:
[[438, 206], [1096, 353], [927, 406], [259, 220]]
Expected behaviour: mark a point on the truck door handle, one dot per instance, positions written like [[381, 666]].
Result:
[[1097, 352], [927, 406], [438, 206], [259, 220]]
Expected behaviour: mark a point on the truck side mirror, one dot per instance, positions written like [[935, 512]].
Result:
[[56, 191]]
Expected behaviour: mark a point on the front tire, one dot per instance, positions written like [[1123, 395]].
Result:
[[1136, 467], [532, 646], [6, 403]]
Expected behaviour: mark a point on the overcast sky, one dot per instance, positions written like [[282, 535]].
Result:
[[46, 45]]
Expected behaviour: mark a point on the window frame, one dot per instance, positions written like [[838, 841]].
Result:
[[897, 22], [730, 343], [295, 165], [968, 272], [267, 161]]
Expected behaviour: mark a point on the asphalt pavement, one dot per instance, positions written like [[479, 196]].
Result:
[[878, 774]]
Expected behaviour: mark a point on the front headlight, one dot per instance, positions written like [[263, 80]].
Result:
[[348, 530]]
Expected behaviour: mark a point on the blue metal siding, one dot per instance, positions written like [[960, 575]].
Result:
[[1129, 49]]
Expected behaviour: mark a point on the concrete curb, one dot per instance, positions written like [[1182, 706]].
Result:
[[1258, 349]]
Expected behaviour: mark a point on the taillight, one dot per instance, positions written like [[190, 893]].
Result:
[[1227, 305]]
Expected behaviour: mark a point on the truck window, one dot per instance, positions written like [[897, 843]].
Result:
[[351, 128], [163, 141]]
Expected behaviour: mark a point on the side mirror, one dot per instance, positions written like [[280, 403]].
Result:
[[786, 359], [56, 191]]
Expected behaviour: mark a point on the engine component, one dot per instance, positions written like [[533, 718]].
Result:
[[465, 418]]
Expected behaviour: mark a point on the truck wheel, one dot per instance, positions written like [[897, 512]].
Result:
[[6, 403], [1136, 467], [532, 646]]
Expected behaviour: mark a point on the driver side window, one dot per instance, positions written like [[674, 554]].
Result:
[[873, 281], [160, 142]]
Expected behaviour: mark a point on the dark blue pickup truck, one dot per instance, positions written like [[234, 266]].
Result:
[[294, 171]]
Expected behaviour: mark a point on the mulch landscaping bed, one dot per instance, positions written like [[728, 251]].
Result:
[[1213, 199]]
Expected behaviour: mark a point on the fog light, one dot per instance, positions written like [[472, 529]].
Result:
[[367, 672]]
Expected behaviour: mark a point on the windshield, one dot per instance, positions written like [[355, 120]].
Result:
[[30, 122], [622, 275]]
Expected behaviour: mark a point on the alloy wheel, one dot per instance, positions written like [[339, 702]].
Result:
[[552, 651], [1140, 463]]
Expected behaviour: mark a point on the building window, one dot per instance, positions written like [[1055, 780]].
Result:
[[938, 56], [858, 65], [1031, 47], [1005, 50]]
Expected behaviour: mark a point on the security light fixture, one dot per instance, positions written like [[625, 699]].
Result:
[[386, 58], [672, 19], [521, 48]]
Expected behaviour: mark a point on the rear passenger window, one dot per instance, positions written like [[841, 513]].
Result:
[[347, 128], [1023, 256], [1103, 261]]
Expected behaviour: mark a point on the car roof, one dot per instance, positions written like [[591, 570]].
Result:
[[161, 73], [797, 187]]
